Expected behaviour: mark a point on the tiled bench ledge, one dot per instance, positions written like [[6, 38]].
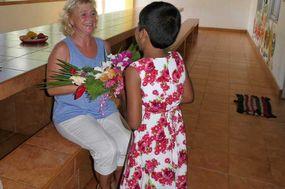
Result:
[[46, 160], [24, 66]]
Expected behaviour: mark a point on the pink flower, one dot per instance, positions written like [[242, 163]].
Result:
[[110, 83], [122, 60]]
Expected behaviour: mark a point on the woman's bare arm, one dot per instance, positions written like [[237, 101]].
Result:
[[134, 98], [60, 51], [107, 47]]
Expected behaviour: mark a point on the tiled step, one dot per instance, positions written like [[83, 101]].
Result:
[[46, 160]]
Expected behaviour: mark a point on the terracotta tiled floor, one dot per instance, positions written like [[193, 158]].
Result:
[[227, 149], [9, 141]]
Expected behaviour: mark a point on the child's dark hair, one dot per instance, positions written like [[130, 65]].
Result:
[[162, 22]]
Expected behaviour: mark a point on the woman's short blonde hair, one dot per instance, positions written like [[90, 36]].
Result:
[[69, 6]]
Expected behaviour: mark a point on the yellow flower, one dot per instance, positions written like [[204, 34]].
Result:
[[104, 77], [111, 73], [108, 74]]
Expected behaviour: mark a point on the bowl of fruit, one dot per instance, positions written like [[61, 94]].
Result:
[[32, 37]]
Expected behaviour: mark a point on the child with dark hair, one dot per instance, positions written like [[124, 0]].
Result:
[[155, 87]]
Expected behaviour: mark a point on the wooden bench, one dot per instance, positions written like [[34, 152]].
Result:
[[46, 160], [53, 162], [187, 35]]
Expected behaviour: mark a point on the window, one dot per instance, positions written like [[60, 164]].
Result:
[[106, 6]]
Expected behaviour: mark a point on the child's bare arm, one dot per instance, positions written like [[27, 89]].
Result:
[[188, 94], [134, 98]]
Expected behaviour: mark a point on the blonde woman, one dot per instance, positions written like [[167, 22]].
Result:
[[82, 121]]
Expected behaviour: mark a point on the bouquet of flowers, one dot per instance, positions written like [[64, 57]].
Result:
[[106, 79]]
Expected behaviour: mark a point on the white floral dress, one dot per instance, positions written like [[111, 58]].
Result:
[[157, 156]]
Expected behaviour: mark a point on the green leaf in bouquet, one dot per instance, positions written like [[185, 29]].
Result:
[[94, 87], [64, 72], [136, 56], [88, 69], [66, 65], [58, 83], [134, 49], [58, 76]]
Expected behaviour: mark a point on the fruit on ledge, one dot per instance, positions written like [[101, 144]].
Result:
[[41, 36]]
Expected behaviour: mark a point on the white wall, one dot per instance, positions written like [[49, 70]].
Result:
[[232, 14], [252, 12], [278, 68], [16, 17], [278, 65]]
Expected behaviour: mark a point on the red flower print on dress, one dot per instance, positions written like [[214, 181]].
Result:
[[164, 76], [158, 158], [149, 67], [164, 86], [138, 174], [168, 176], [150, 165], [181, 183], [182, 159], [155, 92], [176, 75], [157, 106], [144, 144], [180, 89], [142, 127]]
